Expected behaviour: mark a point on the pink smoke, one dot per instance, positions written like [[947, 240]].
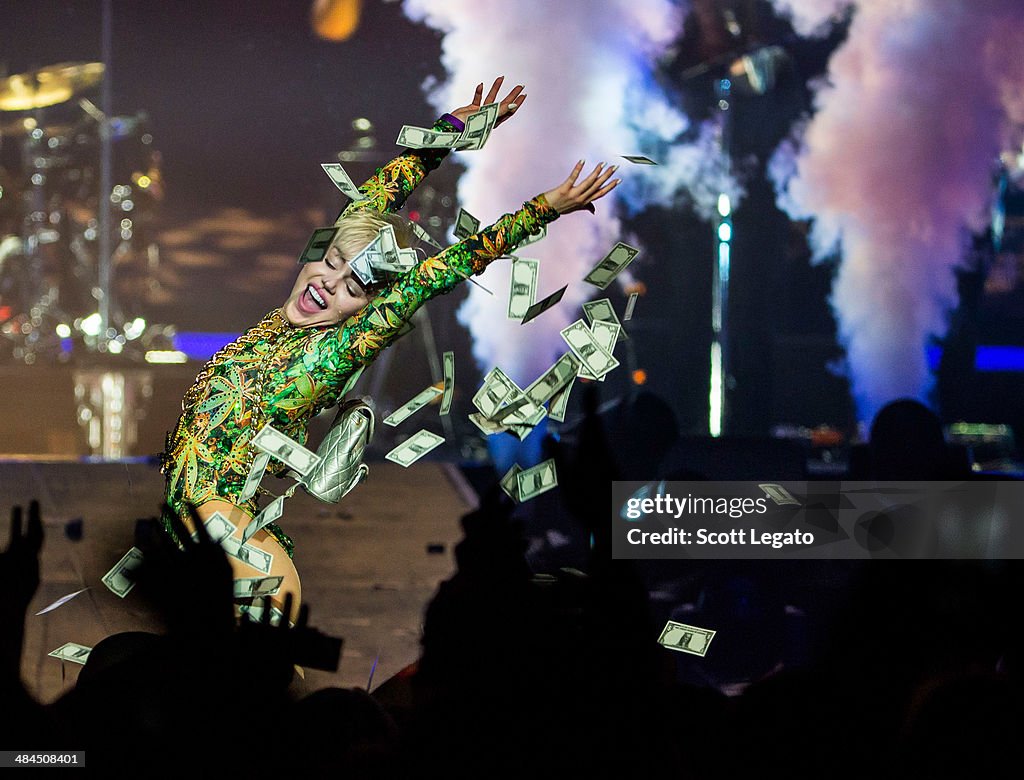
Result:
[[896, 166]]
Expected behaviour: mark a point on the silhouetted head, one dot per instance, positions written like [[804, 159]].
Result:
[[907, 442]]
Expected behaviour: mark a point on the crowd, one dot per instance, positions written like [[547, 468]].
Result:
[[907, 669]]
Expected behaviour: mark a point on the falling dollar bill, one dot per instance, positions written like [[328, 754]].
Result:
[[318, 244], [466, 224], [510, 484], [389, 249], [60, 602], [285, 449], [424, 138], [638, 159], [414, 448], [269, 514], [630, 305], [343, 181], [495, 391], [779, 495], [487, 427], [449, 382], [559, 403], [543, 305], [686, 639], [120, 579], [523, 288], [73, 652], [611, 265], [601, 311], [583, 344], [414, 405], [533, 238], [605, 336], [478, 127], [423, 235], [256, 472], [535, 480], [563, 372], [255, 587], [258, 559]]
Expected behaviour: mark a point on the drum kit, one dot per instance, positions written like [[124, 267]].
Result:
[[51, 217]]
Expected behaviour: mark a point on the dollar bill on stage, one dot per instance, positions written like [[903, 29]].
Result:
[[121, 579], [414, 448], [535, 480], [523, 288], [582, 342], [72, 652], [686, 639], [412, 406], [611, 265], [466, 224], [449, 382], [285, 449], [343, 181]]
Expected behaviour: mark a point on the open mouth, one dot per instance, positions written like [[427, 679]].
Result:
[[313, 294]]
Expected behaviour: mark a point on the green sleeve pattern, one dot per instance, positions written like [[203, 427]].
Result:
[[330, 356], [390, 186]]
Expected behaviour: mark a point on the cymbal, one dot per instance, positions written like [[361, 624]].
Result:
[[48, 86]]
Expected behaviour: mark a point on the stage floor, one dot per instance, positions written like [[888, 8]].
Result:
[[365, 568]]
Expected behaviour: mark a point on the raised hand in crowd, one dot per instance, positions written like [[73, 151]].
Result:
[[190, 585], [19, 580]]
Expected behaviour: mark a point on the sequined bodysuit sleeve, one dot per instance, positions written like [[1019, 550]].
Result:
[[330, 356]]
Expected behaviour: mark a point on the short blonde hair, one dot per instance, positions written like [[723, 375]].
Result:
[[356, 229]]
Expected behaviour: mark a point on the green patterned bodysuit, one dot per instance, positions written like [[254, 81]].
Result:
[[302, 371]]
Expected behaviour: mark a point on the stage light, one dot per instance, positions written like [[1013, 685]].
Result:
[[166, 356], [362, 124], [63, 331], [725, 232], [91, 325], [724, 206], [336, 20], [143, 182], [115, 347], [135, 328], [639, 377]]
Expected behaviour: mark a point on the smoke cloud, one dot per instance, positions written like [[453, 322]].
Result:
[[896, 166], [589, 70]]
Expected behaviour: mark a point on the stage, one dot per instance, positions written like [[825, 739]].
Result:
[[365, 567]]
